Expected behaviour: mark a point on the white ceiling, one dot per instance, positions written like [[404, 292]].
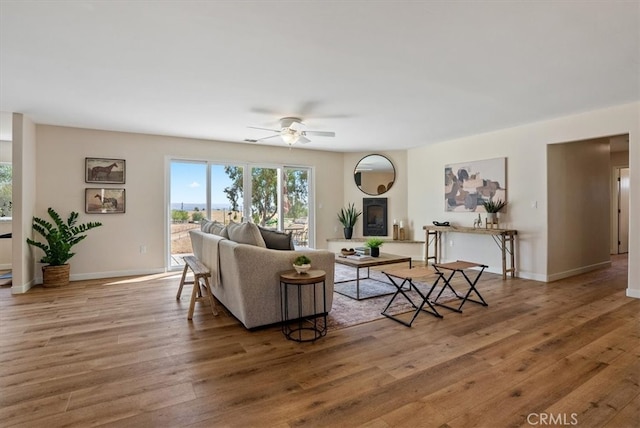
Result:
[[383, 75]]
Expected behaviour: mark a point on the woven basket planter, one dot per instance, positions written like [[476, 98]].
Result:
[[55, 276]]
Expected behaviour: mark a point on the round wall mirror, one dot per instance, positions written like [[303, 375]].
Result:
[[374, 174]]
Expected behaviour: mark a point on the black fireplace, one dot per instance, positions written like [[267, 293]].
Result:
[[374, 213]]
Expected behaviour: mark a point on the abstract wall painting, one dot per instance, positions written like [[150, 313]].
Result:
[[468, 185]]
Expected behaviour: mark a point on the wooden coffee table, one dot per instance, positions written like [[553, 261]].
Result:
[[384, 259]]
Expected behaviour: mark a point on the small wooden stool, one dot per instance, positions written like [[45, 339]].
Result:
[[460, 266], [408, 275], [200, 271]]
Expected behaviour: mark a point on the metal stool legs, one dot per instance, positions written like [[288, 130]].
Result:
[[460, 267]]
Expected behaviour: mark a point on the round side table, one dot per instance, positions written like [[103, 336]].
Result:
[[307, 325]]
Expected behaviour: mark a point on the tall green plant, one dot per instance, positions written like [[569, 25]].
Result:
[[60, 237], [349, 215]]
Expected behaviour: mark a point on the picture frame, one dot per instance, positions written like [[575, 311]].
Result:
[[468, 185], [104, 170], [104, 200]]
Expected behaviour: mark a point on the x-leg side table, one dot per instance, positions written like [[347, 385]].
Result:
[[460, 266], [408, 275]]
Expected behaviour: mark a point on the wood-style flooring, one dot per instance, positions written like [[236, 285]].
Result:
[[121, 353]]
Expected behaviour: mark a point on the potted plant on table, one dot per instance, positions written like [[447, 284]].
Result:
[[60, 237], [348, 217], [493, 207], [374, 244], [302, 264]]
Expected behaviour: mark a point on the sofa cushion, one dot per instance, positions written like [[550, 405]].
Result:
[[276, 240], [245, 233]]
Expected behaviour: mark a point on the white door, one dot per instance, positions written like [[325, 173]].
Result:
[[623, 211]]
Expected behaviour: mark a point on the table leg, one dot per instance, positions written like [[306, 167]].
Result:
[[513, 262], [503, 247]]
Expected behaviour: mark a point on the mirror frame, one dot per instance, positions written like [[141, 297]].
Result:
[[359, 182]]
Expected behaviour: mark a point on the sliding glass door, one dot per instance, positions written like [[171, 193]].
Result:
[[275, 197]]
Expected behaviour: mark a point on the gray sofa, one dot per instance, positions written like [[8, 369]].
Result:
[[246, 276]]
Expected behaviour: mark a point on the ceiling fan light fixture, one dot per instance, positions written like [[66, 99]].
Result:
[[289, 136]]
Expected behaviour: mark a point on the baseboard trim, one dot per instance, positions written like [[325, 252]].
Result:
[[531, 276], [578, 271], [633, 292], [20, 289], [108, 274]]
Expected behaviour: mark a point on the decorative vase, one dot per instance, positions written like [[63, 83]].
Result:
[[375, 251], [348, 232], [491, 217], [55, 276], [301, 269]]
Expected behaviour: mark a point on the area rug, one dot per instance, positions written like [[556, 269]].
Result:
[[347, 312]]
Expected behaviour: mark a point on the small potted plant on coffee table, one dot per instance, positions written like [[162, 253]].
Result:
[[302, 264], [374, 244]]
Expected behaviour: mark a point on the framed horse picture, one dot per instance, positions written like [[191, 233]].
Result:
[[104, 201], [100, 170]]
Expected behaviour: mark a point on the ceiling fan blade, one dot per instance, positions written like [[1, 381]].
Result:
[[303, 140], [266, 138], [320, 133], [263, 129]]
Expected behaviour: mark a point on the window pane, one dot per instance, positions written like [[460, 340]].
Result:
[[5, 190], [264, 197], [188, 203], [295, 197], [227, 193]]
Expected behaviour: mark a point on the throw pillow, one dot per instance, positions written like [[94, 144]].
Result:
[[276, 240], [245, 233], [205, 225], [219, 229], [214, 227]]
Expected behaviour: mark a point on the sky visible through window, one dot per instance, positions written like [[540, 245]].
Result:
[[189, 186]]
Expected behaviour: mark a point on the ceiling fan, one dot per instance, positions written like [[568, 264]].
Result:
[[292, 130]]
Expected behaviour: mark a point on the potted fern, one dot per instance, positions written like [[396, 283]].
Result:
[[60, 237], [348, 217]]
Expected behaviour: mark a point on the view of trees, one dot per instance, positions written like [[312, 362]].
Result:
[[5, 190], [264, 198]]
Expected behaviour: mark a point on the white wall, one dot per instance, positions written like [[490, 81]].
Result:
[[525, 149], [113, 249]]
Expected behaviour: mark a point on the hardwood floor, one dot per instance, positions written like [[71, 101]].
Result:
[[121, 353]]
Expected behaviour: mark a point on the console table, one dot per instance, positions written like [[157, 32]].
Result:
[[504, 238]]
